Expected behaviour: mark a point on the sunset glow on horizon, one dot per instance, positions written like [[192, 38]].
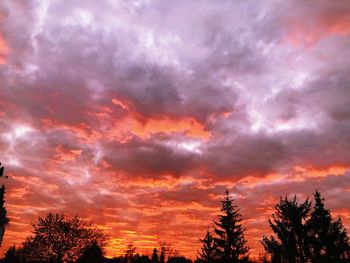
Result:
[[138, 114]]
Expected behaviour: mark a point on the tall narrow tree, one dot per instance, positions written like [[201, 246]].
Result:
[[230, 239], [155, 256], [4, 220], [328, 238]]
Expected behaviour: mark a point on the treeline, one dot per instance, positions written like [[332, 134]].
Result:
[[301, 233]]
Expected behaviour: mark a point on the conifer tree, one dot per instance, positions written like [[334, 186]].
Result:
[[290, 227], [230, 239], [4, 220], [328, 238], [208, 253], [155, 256], [11, 255]]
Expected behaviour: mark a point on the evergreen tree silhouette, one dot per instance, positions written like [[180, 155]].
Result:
[[328, 239], [230, 240], [289, 223], [4, 220], [155, 256], [306, 237], [208, 253], [11, 255]]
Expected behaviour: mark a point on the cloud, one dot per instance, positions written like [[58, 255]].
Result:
[[138, 114]]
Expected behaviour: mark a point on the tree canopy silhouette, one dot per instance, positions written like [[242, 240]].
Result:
[[58, 238]]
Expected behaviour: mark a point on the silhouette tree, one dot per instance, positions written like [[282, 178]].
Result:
[[166, 251], [11, 255], [58, 238], [306, 237], [129, 253], [155, 256], [92, 254], [230, 240], [289, 223], [328, 239], [208, 253], [4, 220], [162, 255]]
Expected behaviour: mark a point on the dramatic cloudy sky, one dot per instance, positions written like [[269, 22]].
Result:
[[138, 114]]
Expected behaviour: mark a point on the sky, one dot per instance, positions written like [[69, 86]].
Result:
[[138, 114]]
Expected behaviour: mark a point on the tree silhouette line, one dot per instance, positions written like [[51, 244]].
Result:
[[302, 233]]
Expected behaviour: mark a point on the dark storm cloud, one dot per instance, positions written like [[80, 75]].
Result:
[[151, 158], [245, 155]]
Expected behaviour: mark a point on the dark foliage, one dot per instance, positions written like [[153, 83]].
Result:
[[328, 238], [11, 255], [304, 236], [162, 255], [129, 253], [142, 259], [4, 220], [179, 259], [155, 256], [92, 254], [230, 240], [58, 238], [209, 252], [289, 225]]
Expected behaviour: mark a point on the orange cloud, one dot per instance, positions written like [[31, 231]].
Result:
[[301, 173], [4, 49], [120, 103], [191, 127], [82, 130], [64, 154], [307, 34], [124, 128]]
